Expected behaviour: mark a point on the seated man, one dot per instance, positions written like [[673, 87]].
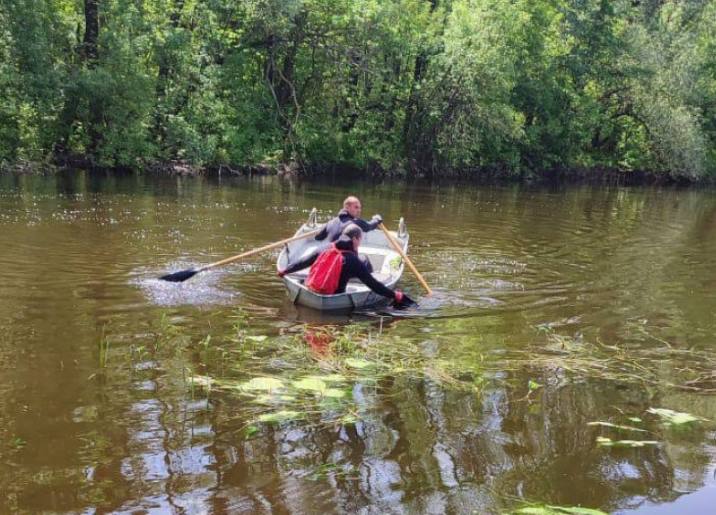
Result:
[[349, 214], [351, 266]]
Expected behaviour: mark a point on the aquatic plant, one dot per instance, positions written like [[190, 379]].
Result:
[[546, 509], [316, 382], [675, 418]]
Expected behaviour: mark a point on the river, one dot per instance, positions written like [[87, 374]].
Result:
[[554, 309]]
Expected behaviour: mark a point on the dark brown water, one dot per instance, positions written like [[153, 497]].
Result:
[[603, 300]]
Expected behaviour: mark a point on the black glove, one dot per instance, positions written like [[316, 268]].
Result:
[[402, 301]]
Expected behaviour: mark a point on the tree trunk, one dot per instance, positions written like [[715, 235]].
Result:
[[88, 53], [89, 48], [411, 131], [89, 42]]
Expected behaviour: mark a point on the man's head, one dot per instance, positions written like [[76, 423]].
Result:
[[352, 205], [354, 233]]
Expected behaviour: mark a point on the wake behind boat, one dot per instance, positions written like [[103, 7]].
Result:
[[387, 265]]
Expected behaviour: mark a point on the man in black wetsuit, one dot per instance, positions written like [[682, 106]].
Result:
[[350, 214], [352, 267]]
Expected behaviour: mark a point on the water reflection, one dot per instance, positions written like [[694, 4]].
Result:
[[631, 269]]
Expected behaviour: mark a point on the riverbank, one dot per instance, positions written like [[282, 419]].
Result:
[[484, 175]]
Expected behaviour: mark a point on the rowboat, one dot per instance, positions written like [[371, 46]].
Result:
[[387, 265]]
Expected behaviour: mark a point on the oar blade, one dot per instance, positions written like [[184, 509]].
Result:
[[181, 276]]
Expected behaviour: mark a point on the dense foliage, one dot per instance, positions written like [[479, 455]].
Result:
[[428, 86]]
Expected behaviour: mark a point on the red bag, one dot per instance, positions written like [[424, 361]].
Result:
[[325, 273]]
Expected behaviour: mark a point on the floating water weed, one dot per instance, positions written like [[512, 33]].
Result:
[[603, 441], [357, 363], [270, 399], [584, 359], [533, 385], [103, 350], [279, 416], [557, 510], [675, 418], [313, 384], [616, 426], [263, 384], [17, 443], [320, 385]]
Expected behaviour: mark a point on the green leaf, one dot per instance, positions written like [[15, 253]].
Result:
[[259, 338], [251, 431], [533, 385], [262, 383], [334, 393], [358, 363], [330, 378], [616, 426], [608, 442], [279, 416], [671, 417], [558, 510], [348, 419], [270, 399], [577, 510], [310, 383]]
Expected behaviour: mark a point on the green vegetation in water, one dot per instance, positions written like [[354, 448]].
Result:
[[603, 441], [547, 509], [318, 385], [584, 359], [103, 350], [675, 418], [616, 426], [17, 443]]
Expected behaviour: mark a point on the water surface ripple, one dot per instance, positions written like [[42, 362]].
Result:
[[95, 412]]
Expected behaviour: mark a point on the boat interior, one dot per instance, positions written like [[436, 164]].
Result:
[[386, 262]]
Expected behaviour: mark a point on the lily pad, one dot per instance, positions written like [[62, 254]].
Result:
[[674, 418], [330, 378], [270, 399], [279, 416], [334, 393], [558, 510], [263, 383], [358, 363], [310, 383], [533, 385]]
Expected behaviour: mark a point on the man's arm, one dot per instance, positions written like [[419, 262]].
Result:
[[322, 235], [300, 265], [367, 278], [369, 226]]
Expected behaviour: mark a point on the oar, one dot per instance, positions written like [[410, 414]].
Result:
[[399, 250], [183, 275]]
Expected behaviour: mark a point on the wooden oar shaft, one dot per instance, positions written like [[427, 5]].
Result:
[[399, 250], [259, 250]]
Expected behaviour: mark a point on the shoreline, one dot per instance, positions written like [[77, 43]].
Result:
[[292, 170]]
